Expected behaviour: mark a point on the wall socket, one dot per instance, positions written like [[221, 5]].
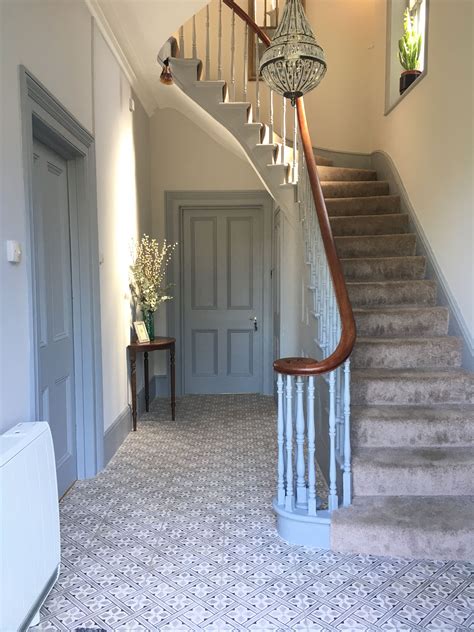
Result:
[[13, 251]]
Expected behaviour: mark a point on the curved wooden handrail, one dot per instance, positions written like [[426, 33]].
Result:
[[309, 366], [246, 18]]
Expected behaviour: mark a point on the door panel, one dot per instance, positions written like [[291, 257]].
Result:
[[223, 293], [54, 303]]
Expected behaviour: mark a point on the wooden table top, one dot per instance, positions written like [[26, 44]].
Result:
[[160, 342]]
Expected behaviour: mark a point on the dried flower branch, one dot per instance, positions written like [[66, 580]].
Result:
[[148, 272]]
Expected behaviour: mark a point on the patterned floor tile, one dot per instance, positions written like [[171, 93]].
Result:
[[178, 534]]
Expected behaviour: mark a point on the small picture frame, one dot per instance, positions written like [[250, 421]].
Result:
[[141, 331]]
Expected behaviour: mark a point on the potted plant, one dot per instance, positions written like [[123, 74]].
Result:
[[409, 49], [147, 278]]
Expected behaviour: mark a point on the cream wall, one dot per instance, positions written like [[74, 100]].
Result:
[[123, 200], [429, 136], [184, 158], [55, 40], [339, 112]]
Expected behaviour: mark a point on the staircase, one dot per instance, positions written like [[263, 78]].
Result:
[[412, 415], [413, 404]]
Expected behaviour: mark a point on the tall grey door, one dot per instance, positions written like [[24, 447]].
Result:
[[55, 350], [223, 300]]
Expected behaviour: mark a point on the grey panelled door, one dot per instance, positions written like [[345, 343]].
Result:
[[223, 300], [54, 308]]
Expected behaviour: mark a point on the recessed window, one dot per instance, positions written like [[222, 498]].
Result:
[[407, 35]]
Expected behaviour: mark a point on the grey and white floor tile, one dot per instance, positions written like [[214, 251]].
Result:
[[178, 534]]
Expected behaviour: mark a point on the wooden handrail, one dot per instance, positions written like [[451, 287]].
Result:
[[246, 18], [309, 366]]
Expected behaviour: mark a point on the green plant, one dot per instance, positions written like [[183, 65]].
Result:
[[148, 273], [409, 46]]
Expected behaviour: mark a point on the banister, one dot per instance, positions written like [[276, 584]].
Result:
[[309, 366], [243, 15]]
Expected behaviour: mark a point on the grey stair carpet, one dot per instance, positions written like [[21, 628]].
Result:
[[412, 423]]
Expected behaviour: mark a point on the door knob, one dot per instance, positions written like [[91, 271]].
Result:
[[255, 322]]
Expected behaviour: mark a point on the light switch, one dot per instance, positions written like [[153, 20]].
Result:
[[13, 251]]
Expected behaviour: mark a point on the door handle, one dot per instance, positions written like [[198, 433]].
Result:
[[255, 322]]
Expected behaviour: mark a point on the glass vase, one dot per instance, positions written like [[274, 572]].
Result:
[[149, 320]]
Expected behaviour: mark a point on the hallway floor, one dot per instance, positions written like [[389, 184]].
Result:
[[178, 534]]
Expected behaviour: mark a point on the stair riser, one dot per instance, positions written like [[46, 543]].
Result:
[[394, 224], [388, 269], [344, 207], [408, 541], [321, 161], [373, 480], [419, 323], [408, 355], [334, 174], [354, 189], [402, 293], [417, 390], [378, 246], [373, 433]]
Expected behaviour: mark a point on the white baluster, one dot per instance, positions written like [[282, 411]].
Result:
[[219, 49], [295, 145], [194, 38], [311, 449], [208, 45], [232, 62], [301, 496], [181, 42], [283, 133], [272, 114], [289, 500], [333, 500], [281, 443], [246, 62], [347, 475], [257, 79]]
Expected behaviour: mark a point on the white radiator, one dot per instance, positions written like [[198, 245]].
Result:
[[29, 536]]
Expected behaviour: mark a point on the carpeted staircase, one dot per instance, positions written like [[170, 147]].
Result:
[[413, 404]]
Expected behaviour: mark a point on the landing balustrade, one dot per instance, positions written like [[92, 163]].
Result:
[[313, 427]]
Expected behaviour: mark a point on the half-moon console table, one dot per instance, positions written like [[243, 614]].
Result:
[[158, 344]]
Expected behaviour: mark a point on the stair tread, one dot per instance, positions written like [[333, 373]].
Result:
[[402, 413], [377, 237], [411, 373], [210, 84], [393, 283], [388, 258], [372, 216], [413, 456], [393, 309], [429, 527], [431, 513], [356, 182], [396, 340]]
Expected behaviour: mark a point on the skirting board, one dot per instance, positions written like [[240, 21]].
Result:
[[116, 434], [118, 431], [381, 162], [387, 171]]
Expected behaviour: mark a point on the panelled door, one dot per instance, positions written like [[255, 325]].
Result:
[[54, 325], [223, 300]]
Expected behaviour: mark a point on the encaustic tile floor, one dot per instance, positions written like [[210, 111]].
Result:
[[178, 534]]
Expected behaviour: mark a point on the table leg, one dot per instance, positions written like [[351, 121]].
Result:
[[173, 383], [147, 384], [133, 380]]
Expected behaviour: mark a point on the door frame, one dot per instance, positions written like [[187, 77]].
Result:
[[45, 119], [176, 202]]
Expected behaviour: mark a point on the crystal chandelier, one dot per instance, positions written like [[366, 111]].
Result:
[[294, 63]]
